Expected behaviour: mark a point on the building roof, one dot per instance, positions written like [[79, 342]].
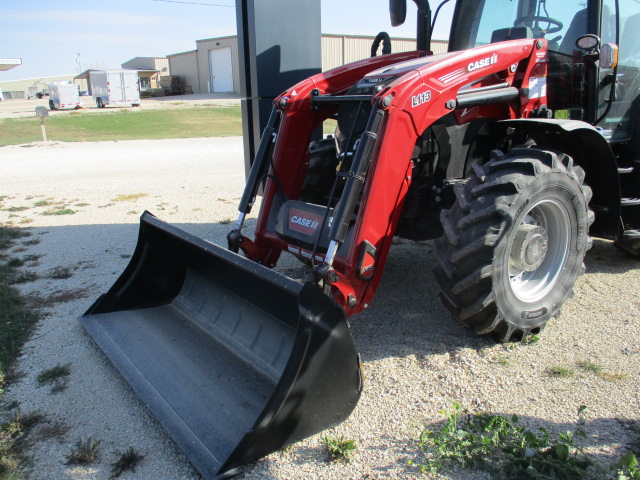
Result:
[[9, 63]]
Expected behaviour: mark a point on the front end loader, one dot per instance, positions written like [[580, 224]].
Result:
[[495, 150]]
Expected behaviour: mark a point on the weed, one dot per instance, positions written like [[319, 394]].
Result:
[[132, 212], [33, 241], [125, 256], [339, 449], [559, 372], [628, 468], [500, 446], [589, 366], [59, 296], [54, 375], [32, 257], [128, 460], [612, 377], [13, 438], [85, 264], [43, 203], [597, 369], [531, 339], [131, 197], [226, 221], [8, 235], [505, 362], [15, 262], [83, 453], [60, 273], [16, 209], [60, 211], [24, 277], [82, 204]]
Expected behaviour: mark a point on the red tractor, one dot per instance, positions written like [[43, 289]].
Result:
[[510, 150]]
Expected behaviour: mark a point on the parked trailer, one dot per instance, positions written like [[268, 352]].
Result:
[[64, 95], [115, 87]]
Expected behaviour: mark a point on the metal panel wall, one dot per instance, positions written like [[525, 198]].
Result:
[[204, 69], [186, 66], [338, 50]]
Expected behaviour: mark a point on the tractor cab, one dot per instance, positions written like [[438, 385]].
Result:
[[581, 84]]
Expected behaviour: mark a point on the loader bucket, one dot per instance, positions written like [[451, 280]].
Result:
[[235, 360]]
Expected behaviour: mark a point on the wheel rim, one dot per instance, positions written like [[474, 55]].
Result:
[[539, 251]]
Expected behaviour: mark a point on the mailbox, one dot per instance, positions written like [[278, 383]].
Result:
[[42, 111]]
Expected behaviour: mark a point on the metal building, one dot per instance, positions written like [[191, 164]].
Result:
[[213, 67], [30, 87]]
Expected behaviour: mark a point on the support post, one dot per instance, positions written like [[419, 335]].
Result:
[[279, 45]]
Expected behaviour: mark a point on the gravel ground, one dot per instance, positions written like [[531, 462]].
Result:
[[417, 361]]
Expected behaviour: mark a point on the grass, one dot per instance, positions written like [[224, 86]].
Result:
[[126, 125], [16, 318], [127, 461]]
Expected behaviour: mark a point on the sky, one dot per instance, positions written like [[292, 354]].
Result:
[[66, 37]]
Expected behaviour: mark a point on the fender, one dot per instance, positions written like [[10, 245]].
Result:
[[592, 152]]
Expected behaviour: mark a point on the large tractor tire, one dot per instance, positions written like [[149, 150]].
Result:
[[514, 242]]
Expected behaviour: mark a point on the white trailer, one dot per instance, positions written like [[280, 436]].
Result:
[[115, 87], [64, 95]]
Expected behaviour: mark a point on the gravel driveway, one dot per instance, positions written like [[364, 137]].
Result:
[[417, 360]]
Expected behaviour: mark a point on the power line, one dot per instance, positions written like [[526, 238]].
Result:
[[196, 3]]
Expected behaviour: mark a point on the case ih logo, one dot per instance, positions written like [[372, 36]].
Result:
[[485, 62], [304, 222]]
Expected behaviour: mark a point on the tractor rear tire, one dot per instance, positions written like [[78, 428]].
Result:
[[514, 242]]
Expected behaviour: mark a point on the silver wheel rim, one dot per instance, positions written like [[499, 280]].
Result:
[[539, 251]]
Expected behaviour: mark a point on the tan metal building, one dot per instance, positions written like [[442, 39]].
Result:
[[213, 67], [30, 87], [150, 70]]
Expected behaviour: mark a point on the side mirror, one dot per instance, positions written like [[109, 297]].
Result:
[[397, 11]]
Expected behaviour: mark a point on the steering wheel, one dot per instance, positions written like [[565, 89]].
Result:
[[557, 24]]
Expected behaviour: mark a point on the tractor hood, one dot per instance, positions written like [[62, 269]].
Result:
[[382, 76]]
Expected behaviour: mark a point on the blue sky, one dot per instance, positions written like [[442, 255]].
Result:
[[48, 36]]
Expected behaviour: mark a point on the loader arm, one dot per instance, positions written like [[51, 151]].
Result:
[[502, 80]]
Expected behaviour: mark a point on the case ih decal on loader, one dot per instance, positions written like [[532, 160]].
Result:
[[509, 151]]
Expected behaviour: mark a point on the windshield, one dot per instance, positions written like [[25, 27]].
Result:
[[480, 22]]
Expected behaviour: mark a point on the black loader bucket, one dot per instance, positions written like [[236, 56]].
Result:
[[234, 359]]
